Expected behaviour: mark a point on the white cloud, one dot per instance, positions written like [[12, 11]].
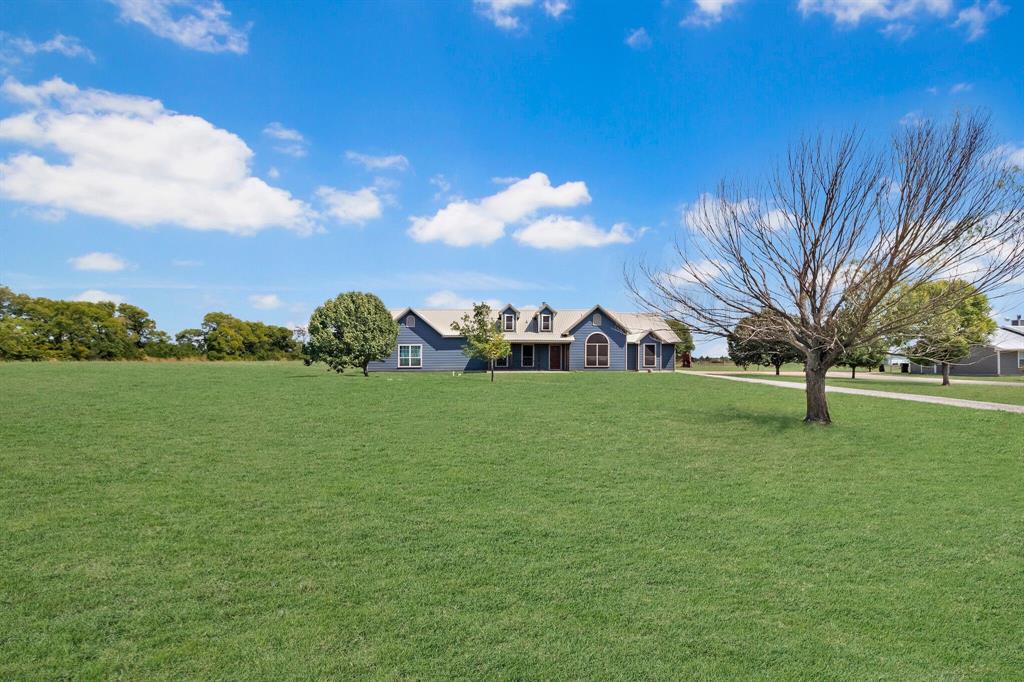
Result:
[[502, 13], [851, 12], [375, 163], [563, 233], [195, 24], [975, 19], [265, 301], [98, 261], [1013, 154], [638, 39], [273, 173], [48, 215], [98, 296], [291, 141], [186, 263], [444, 187], [11, 47], [707, 12], [961, 87], [555, 8], [465, 223], [691, 273], [505, 179], [448, 299], [354, 208], [911, 118], [129, 159]]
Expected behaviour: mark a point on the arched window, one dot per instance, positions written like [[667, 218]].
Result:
[[597, 351], [410, 320]]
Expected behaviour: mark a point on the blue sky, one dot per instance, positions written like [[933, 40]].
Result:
[[191, 156]]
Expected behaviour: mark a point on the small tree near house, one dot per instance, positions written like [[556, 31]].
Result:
[[484, 339], [351, 330], [685, 345]]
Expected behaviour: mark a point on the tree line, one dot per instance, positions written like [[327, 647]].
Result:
[[36, 328]]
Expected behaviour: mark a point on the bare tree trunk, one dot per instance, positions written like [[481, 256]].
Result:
[[492, 370], [817, 402], [777, 368], [853, 372], [366, 371], [945, 374]]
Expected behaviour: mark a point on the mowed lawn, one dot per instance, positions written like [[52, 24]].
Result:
[[272, 521], [997, 392]]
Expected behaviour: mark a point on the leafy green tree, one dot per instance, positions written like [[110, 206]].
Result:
[[484, 339], [140, 327], [946, 337], [685, 344], [190, 342], [870, 355], [351, 330], [753, 342]]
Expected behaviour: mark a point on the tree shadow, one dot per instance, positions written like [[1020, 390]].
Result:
[[774, 421]]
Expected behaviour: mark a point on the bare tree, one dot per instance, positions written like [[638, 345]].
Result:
[[829, 248]]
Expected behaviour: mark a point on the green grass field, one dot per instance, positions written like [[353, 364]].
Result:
[[272, 521], [996, 393]]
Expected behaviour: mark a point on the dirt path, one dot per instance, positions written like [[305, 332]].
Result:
[[933, 399]]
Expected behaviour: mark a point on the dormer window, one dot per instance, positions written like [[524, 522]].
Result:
[[510, 322], [545, 322], [597, 319], [410, 320]]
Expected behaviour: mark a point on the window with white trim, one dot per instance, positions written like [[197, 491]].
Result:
[[510, 322], [650, 355], [527, 356], [410, 320], [410, 355], [596, 351], [501, 362], [597, 319], [1020, 359], [545, 322]]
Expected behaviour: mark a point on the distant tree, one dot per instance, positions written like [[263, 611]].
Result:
[[870, 355], [138, 324], [748, 345], [484, 339], [685, 344], [947, 336], [351, 330], [190, 342]]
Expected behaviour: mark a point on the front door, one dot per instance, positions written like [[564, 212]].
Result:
[[554, 357]]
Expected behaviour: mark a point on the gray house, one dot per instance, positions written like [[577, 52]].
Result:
[[542, 339], [1003, 355]]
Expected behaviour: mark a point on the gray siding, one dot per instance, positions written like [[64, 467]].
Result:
[[439, 353], [616, 344], [982, 361]]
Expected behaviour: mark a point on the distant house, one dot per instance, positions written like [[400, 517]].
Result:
[[542, 339], [1003, 355]]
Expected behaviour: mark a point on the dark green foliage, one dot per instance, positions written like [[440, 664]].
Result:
[[685, 344], [870, 355], [351, 330], [226, 337], [45, 329], [752, 344]]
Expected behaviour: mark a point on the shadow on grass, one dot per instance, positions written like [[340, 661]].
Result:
[[778, 422]]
